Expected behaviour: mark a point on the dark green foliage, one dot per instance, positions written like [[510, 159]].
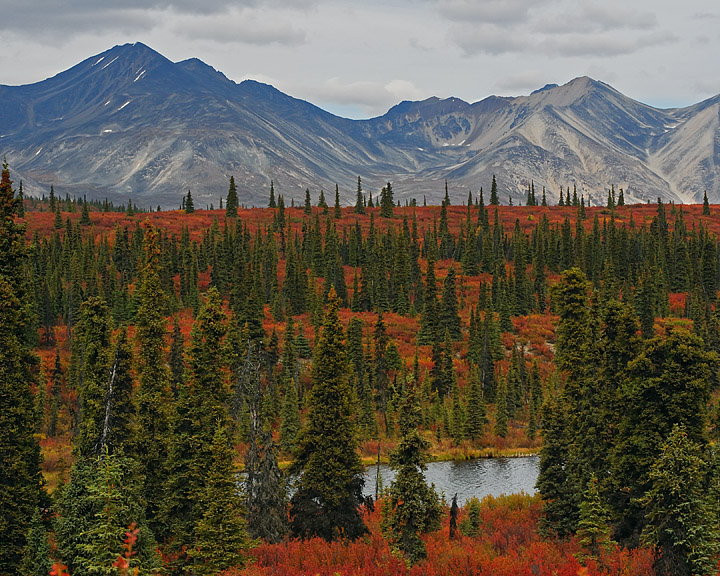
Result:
[[201, 405], [266, 495], [668, 383], [95, 508], [329, 491], [20, 479], [153, 396], [494, 201], [37, 551], [271, 202], [359, 200], [412, 507], [92, 350], [290, 417], [175, 360], [386, 201], [231, 200], [559, 512], [501, 408], [222, 540], [85, 215], [476, 408], [593, 531], [189, 204], [119, 409], [337, 213], [680, 524], [706, 204], [470, 524], [449, 317]]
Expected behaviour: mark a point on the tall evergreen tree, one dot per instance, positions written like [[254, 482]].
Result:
[[201, 405], [153, 396], [560, 508], [360, 199], [92, 349], [412, 507], [449, 316], [20, 478], [494, 200], [94, 510], [189, 204], [667, 383], [231, 200], [329, 489], [271, 202], [593, 531], [386, 201], [222, 539], [680, 525]]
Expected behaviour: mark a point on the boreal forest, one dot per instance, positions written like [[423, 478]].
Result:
[[200, 390]]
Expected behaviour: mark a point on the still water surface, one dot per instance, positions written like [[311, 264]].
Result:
[[471, 477]]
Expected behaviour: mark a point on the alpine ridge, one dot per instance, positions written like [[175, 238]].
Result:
[[129, 123]]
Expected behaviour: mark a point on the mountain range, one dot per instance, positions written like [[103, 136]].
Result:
[[129, 123]]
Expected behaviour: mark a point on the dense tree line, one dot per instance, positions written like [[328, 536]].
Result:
[[154, 417]]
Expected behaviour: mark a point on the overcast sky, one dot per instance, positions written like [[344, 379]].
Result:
[[358, 58]]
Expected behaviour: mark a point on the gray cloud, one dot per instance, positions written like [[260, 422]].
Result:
[[602, 45], [500, 12], [244, 27], [488, 39], [592, 18], [522, 82], [60, 19]]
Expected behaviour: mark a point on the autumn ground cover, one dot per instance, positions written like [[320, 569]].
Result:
[[506, 544]]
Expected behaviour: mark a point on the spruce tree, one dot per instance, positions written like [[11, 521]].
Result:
[[290, 417], [231, 200], [559, 510], [266, 495], [92, 348], [271, 202], [412, 507], [37, 551], [680, 525], [476, 407], [494, 201], [501, 408], [359, 200], [94, 510], [593, 529], [202, 403], [153, 396], [386, 201], [20, 478], [119, 409], [668, 383], [189, 204], [329, 488], [337, 213], [222, 540], [449, 316]]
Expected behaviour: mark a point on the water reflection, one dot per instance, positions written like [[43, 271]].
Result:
[[472, 477]]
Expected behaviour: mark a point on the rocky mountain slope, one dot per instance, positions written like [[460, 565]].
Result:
[[129, 123]]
